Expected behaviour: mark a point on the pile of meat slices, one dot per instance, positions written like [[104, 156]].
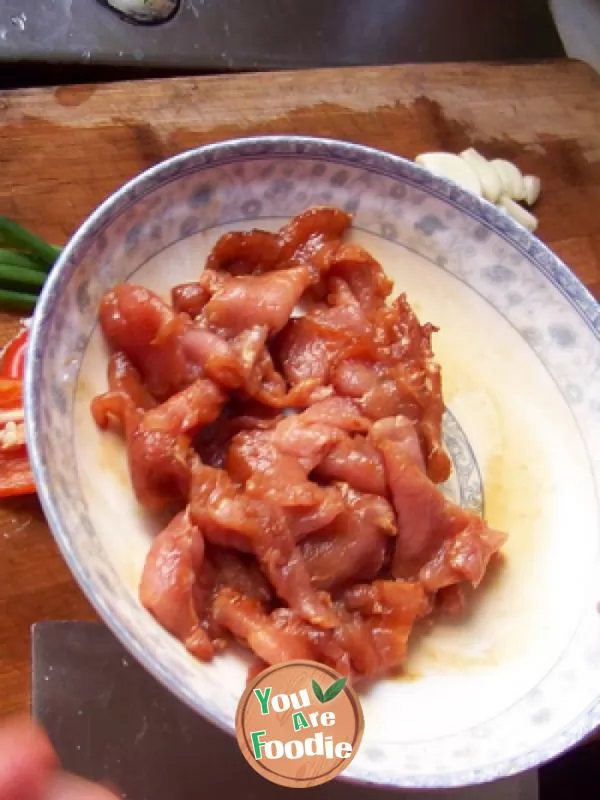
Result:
[[291, 416]]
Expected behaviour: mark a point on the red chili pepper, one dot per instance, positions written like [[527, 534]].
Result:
[[16, 477], [11, 394], [13, 360]]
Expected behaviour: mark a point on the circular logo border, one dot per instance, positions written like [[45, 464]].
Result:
[[272, 775]]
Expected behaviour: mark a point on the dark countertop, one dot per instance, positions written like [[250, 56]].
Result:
[[60, 41]]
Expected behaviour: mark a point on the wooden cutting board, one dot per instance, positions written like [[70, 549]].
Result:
[[63, 150]]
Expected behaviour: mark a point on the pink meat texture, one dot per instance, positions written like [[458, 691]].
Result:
[[288, 413]]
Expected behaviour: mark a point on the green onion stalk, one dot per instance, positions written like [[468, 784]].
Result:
[[25, 261]]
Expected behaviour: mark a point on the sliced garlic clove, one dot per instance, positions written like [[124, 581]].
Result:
[[491, 185], [510, 176], [452, 167], [518, 213], [12, 415], [532, 187]]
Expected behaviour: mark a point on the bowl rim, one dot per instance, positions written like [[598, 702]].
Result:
[[278, 147]]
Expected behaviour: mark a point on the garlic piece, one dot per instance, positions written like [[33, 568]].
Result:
[[12, 435], [511, 178], [518, 213], [12, 415], [532, 186], [491, 185], [452, 167]]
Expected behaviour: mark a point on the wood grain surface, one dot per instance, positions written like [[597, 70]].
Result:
[[63, 150]]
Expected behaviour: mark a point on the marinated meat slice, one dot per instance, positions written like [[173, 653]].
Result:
[[168, 578], [158, 465], [306, 441], [124, 377], [340, 295], [357, 462], [336, 412], [241, 253], [203, 593], [310, 435], [355, 379], [400, 336], [353, 547], [211, 281], [430, 427], [246, 620], [116, 410], [222, 512], [303, 521], [287, 572], [398, 600], [249, 346], [400, 437], [303, 354], [347, 323], [355, 637], [316, 254], [390, 396], [157, 444], [266, 385], [312, 346], [275, 464], [321, 224], [463, 557], [363, 274], [255, 451], [214, 441], [243, 302], [227, 361], [296, 442], [425, 518], [451, 601], [131, 316], [280, 479], [242, 574], [406, 346], [215, 356], [187, 411], [437, 540], [390, 610], [189, 298], [323, 643], [229, 517], [137, 322], [126, 400], [158, 439], [318, 344]]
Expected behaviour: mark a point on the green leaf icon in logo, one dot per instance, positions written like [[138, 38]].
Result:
[[335, 689], [331, 693], [318, 692]]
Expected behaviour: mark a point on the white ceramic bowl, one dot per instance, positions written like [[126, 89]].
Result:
[[519, 680]]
